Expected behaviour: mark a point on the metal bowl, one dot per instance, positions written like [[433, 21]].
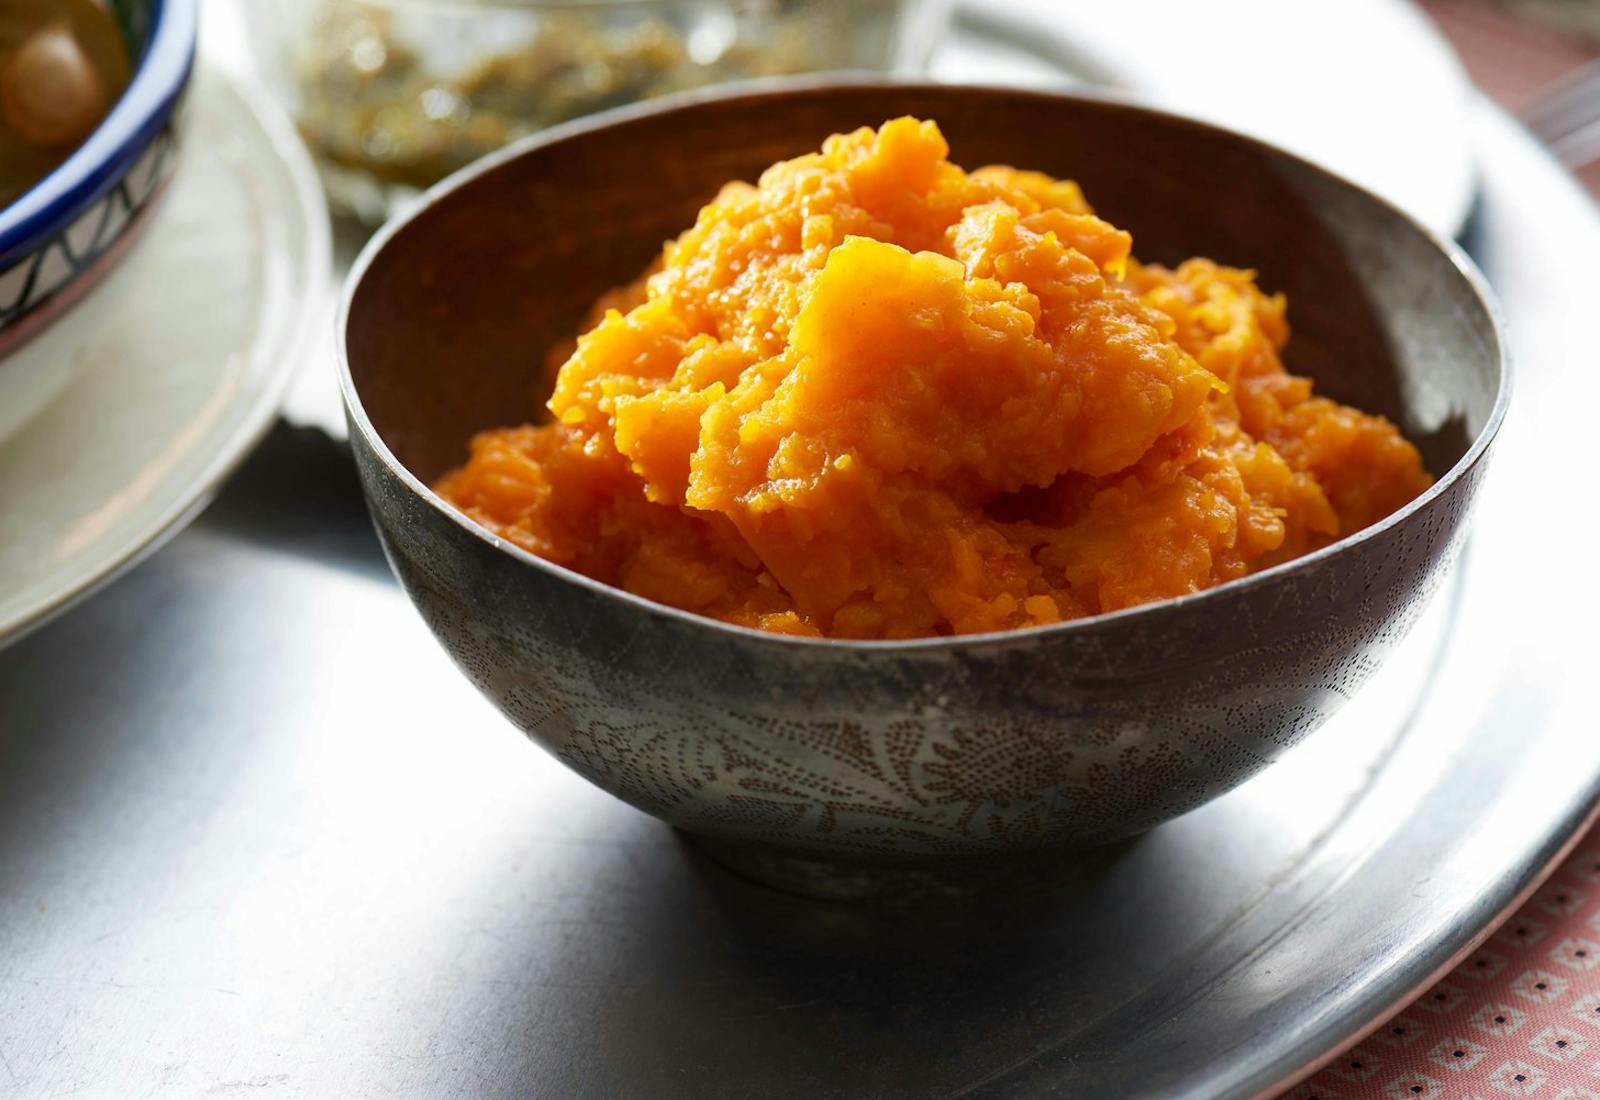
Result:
[[791, 755]]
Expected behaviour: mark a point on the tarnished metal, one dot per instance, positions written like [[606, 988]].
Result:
[[258, 836], [932, 752]]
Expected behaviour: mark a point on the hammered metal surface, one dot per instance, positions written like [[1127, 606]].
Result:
[[910, 752]]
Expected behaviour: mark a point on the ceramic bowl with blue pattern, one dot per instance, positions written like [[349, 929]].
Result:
[[70, 227]]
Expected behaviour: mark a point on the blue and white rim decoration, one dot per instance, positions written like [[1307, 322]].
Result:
[[63, 257], [77, 212]]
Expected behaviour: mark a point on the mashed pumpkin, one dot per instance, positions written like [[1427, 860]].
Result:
[[877, 396]]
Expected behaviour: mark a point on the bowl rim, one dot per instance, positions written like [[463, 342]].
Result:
[[774, 87], [160, 75]]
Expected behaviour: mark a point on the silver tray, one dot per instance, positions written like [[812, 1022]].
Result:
[[256, 831]]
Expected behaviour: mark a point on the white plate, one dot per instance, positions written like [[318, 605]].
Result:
[[1367, 88], [120, 419]]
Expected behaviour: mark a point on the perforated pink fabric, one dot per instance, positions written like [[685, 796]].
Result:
[[1521, 1017]]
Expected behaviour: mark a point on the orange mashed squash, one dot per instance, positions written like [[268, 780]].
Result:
[[877, 396]]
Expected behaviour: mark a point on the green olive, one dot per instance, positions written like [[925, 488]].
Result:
[[50, 92]]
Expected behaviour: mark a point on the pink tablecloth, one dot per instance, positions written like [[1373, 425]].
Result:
[[1520, 1017]]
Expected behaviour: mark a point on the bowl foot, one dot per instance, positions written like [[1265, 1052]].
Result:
[[843, 880]]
